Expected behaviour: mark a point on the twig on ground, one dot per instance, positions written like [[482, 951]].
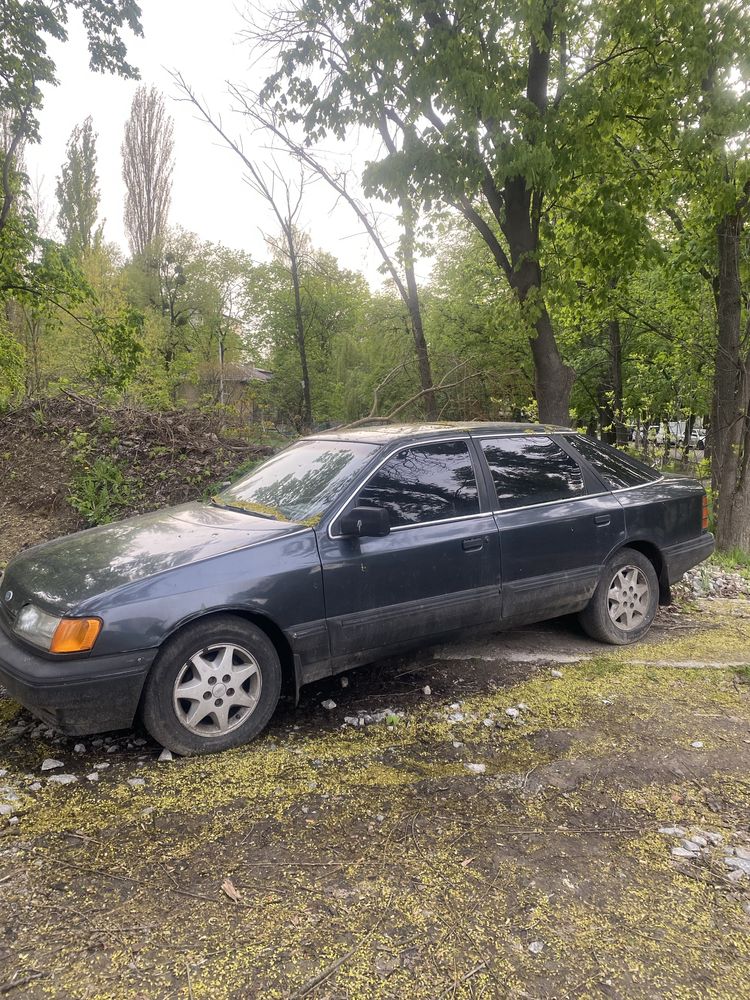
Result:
[[13, 984], [472, 972], [326, 973]]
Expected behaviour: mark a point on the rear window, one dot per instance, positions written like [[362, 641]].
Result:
[[530, 470], [616, 470]]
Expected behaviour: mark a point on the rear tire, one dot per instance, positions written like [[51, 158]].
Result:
[[214, 686], [625, 601]]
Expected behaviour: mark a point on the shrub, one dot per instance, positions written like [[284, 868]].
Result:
[[100, 491]]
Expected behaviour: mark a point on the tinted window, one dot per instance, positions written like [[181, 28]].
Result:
[[300, 482], [530, 470], [424, 483], [617, 471]]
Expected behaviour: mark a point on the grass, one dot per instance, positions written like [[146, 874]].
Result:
[[733, 561]]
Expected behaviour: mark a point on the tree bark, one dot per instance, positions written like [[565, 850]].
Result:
[[730, 417], [415, 319], [299, 326], [553, 379]]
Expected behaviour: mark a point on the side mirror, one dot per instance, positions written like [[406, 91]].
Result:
[[366, 522]]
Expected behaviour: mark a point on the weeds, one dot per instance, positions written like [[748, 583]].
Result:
[[100, 491]]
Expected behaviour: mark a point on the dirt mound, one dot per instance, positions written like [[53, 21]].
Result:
[[67, 462]]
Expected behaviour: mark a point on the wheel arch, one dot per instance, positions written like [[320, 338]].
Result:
[[656, 558], [290, 683]]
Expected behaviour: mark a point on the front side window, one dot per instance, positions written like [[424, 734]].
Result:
[[422, 483], [300, 483], [616, 470], [530, 470]]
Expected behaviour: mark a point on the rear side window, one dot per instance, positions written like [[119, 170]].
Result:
[[424, 483], [616, 470], [530, 470]]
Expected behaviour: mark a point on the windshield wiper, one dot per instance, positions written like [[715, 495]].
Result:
[[249, 509]]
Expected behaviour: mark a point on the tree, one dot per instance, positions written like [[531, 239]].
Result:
[[399, 265], [78, 190], [25, 64], [505, 108], [147, 165]]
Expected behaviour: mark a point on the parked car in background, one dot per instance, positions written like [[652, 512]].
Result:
[[340, 549]]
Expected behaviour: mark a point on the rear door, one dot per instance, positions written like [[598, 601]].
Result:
[[438, 569], [556, 525]]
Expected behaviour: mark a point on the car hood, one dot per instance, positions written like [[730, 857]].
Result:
[[62, 574]]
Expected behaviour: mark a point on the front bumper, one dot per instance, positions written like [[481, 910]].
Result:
[[683, 556], [77, 696]]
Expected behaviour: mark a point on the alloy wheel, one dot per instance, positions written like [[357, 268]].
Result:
[[217, 689], [628, 598]]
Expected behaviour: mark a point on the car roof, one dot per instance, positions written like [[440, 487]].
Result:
[[388, 433]]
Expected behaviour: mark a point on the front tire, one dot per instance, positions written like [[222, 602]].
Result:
[[215, 685], [624, 604]]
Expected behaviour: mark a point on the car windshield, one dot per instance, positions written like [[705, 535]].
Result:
[[301, 482]]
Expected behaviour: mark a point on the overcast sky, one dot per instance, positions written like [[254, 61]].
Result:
[[200, 39]]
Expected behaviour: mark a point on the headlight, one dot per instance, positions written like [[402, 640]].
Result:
[[36, 625], [57, 635]]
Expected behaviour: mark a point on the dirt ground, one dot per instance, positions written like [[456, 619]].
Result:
[[451, 850]]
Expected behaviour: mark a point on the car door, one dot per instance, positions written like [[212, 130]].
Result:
[[438, 568], [556, 524]]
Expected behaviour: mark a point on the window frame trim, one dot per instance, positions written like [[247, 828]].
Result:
[[478, 476]]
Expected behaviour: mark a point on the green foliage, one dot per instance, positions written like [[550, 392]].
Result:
[[11, 367], [78, 190], [25, 63], [339, 337], [100, 490]]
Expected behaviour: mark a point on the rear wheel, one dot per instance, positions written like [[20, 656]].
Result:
[[625, 601], [213, 686]]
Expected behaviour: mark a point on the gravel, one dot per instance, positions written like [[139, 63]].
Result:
[[708, 580]]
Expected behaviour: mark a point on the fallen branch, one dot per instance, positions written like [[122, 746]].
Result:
[[472, 972], [326, 973], [441, 386], [13, 984]]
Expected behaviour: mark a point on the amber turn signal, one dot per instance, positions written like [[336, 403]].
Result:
[[705, 512], [75, 635]]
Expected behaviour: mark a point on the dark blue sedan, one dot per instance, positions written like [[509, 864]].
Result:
[[343, 548]]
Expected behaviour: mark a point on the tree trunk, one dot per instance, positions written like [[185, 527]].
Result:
[[730, 420], [553, 379], [686, 437], [299, 326], [622, 436], [417, 329]]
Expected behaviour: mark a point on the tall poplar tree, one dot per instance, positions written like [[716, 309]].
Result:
[[147, 165], [78, 190]]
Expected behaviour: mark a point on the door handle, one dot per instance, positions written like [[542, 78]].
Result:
[[601, 519], [472, 544]]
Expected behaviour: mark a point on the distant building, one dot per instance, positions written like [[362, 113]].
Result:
[[234, 385]]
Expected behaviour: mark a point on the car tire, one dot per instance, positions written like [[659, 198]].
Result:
[[214, 686], [625, 601]]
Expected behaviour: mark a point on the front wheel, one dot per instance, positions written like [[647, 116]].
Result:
[[215, 685], [624, 604]]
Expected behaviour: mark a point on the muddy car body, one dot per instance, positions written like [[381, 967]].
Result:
[[345, 547]]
